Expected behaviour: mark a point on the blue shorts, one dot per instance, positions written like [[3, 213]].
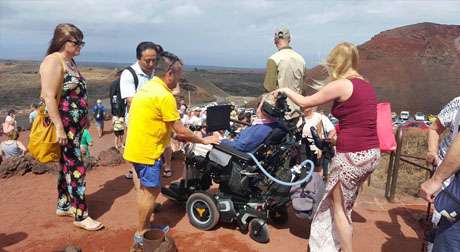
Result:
[[149, 175]]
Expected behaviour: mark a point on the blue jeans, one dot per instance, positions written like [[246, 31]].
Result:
[[447, 237]]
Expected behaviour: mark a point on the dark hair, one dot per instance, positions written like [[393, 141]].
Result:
[[62, 34], [147, 45], [166, 62], [11, 112], [241, 116]]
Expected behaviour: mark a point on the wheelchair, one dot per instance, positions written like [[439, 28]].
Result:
[[245, 195]]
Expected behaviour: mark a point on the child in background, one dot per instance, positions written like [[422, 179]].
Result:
[[86, 141], [12, 147], [119, 130]]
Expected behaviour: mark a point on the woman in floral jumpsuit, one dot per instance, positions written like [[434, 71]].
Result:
[[64, 93]]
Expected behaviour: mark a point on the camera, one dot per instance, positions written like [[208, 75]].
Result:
[[323, 144], [279, 109]]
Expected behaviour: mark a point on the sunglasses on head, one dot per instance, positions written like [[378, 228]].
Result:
[[77, 43]]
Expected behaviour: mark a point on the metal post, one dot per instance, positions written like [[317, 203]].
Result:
[[394, 179], [389, 173]]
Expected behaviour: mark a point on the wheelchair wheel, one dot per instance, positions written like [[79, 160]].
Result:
[[202, 211], [258, 230]]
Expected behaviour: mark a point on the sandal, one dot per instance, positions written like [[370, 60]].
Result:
[[89, 224], [167, 173]]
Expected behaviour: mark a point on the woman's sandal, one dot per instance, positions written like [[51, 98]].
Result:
[[89, 224], [167, 173]]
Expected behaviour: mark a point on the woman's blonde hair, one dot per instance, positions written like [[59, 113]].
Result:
[[342, 58], [12, 135]]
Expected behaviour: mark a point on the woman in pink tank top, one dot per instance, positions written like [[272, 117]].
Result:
[[355, 105]]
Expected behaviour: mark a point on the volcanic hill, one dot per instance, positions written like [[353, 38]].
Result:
[[415, 67]]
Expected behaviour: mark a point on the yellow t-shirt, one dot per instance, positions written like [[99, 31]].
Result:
[[148, 134]]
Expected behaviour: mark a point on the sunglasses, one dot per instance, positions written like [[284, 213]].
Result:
[[77, 43]]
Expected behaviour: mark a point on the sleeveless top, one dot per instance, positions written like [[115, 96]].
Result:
[[357, 119], [10, 149], [73, 104]]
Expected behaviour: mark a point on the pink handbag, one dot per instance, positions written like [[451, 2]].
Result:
[[385, 127]]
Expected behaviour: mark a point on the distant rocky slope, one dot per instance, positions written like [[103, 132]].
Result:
[[415, 67]]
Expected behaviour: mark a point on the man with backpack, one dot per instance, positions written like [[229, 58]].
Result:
[[99, 114], [134, 77]]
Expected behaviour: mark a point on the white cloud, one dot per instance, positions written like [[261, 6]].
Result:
[[208, 31]]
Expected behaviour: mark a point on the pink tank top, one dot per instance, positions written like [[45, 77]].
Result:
[[357, 119]]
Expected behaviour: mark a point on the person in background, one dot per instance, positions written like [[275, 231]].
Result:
[[448, 120], [285, 68], [63, 90], [85, 142], [10, 122], [118, 124], [99, 116], [325, 130], [182, 107], [355, 105], [33, 114], [447, 237], [12, 147], [146, 53]]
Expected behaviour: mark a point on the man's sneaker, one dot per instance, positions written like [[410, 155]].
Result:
[[68, 212]]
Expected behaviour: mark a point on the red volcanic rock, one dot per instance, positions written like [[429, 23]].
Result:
[[415, 67]]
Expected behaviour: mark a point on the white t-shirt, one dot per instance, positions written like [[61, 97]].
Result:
[[195, 120], [450, 119], [313, 122], [185, 120], [127, 87]]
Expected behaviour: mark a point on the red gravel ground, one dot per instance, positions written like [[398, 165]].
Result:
[[28, 222]]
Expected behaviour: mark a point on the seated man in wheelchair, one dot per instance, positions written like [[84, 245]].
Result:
[[242, 167]]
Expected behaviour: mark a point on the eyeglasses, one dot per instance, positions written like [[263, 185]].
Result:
[[77, 43], [150, 61]]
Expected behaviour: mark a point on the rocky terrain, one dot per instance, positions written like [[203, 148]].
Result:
[[415, 67]]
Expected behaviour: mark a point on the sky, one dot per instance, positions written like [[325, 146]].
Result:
[[208, 32]]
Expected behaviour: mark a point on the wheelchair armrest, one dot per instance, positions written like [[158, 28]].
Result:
[[236, 153]]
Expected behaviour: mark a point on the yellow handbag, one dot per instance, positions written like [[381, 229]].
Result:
[[43, 145]]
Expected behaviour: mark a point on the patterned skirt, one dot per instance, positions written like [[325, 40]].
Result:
[[351, 169]]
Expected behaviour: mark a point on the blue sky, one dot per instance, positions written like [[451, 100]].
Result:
[[208, 32]]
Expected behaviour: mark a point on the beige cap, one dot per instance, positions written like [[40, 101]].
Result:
[[282, 33]]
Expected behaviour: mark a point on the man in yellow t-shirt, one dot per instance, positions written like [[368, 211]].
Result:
[[153, 116]]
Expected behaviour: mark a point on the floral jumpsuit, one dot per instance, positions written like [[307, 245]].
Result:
[[73, 109]]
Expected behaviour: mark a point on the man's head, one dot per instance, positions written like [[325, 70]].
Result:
[[147, 54], [169, 69], [282, 37], [309, 110]]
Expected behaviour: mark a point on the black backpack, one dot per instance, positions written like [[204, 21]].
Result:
[[117, 104]]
